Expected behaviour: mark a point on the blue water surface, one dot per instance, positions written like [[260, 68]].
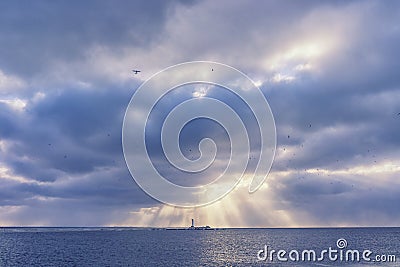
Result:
[[161, 247]]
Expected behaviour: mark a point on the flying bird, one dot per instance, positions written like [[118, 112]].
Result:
[[136, 71]]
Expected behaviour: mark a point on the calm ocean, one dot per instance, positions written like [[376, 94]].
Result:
[[229, 247]]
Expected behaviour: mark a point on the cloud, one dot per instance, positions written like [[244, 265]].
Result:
[[40, 34], [328, 70]]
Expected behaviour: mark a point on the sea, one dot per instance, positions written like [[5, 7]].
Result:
[[126, 246]]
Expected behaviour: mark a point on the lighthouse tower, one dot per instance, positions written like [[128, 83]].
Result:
[[192, 223]]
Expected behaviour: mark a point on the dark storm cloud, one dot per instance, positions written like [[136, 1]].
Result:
[[324, 128], [108, 187], [338, 200], [7, 117], [36, 34], [73, 131], [67, 147]]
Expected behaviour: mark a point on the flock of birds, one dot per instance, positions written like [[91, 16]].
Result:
[[135, 71]]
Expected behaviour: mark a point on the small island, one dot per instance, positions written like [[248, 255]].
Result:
[[193, 227]]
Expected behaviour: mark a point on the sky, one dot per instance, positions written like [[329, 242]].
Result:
[[328, 69]]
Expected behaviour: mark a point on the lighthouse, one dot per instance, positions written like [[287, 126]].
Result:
[[192, 223]]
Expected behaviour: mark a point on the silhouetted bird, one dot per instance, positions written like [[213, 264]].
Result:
[[136, 71]]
